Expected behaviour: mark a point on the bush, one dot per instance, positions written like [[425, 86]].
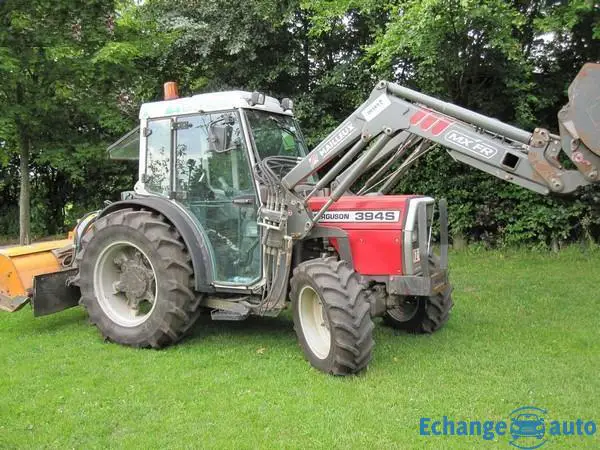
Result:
[[488, 210]]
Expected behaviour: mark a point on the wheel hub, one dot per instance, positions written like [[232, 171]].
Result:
[[136, 279], [125, 283]]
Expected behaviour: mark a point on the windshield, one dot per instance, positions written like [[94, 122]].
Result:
[[275, 134]]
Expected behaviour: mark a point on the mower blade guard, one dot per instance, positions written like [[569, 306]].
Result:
[[19, 264], [13, 304], [52, 292]]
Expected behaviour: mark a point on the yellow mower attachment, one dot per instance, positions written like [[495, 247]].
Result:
[[18, 266]]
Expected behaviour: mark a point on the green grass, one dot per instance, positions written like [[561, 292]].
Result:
[[524, 331]]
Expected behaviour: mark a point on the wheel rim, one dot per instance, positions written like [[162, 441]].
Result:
[[314, 322], [406, 310], [125, 284]]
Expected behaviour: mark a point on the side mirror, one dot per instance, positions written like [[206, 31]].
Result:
[[219, 138]]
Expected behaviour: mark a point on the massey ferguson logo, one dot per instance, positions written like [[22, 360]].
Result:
[[360, 216], [336, 140], [470, 143]]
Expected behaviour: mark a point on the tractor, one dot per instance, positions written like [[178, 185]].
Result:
[[232, 215]]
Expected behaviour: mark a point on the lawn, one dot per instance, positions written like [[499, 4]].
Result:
[[524, 331]]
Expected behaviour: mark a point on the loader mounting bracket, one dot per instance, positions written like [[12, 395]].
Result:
[[418, 285]]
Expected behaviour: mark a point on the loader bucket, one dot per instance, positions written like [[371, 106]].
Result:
[[18, 266], [584, 106]]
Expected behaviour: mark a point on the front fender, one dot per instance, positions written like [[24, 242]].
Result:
[[190, 230], [339, 239]]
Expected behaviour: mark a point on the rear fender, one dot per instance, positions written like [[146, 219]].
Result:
[[191, 232]]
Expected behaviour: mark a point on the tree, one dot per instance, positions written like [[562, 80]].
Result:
[[45, 46], [509, 59], [70, 84], [73, 75]]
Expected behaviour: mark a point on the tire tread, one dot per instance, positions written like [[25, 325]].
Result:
[[176, 267], [348, 309]]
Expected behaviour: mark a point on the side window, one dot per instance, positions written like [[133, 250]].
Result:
[[206, 170], [158, 152]]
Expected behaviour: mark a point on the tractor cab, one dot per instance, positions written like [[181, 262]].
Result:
[[199, 152]]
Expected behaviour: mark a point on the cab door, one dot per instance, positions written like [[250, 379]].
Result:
[[213, 179]]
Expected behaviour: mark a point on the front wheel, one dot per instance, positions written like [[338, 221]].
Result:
[[332, 316]]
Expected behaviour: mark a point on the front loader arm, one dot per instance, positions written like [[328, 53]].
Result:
[[397, 125]]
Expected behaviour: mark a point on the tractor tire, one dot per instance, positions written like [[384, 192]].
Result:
[[421, 315], [332, 316], [136, 279]]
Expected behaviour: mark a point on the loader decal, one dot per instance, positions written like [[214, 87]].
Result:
[[379, 104], [429, 121], [337, 139], [471, 143]]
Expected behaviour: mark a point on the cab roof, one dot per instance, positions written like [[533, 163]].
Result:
[[216, 101]]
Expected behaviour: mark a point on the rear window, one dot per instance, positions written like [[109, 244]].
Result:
[[127, 147]]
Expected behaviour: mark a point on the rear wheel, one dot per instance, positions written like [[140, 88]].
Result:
[[332, 316], [135, 277], [421, 314]]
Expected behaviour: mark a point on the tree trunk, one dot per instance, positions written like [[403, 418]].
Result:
[[25, 193], [306, 52]]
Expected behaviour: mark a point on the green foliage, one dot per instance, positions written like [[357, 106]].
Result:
[[63, 66], [508, 59], [82, 69], [487, 210]]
